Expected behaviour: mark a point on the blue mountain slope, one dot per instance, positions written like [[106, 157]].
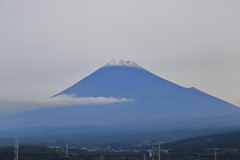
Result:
[[121, 82], [143, 86], [156, 101]]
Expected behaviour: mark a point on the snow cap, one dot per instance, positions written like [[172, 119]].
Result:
[[121, 63]]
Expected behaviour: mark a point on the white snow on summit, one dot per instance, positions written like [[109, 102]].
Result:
[[122, 63]]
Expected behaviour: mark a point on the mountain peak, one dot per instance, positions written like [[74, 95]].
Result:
[[122, 63]]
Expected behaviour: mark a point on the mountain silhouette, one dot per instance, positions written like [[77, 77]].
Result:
[[157, 103]]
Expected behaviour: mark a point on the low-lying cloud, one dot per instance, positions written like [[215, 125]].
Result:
[[13, 106]]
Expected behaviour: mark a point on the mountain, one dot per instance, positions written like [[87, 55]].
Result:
[[203, 147], [220, 140], [157, 104]]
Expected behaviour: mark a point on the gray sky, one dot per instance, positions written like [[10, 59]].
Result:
[[47, 46]]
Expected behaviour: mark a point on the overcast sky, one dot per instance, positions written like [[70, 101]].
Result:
[[47, 46]]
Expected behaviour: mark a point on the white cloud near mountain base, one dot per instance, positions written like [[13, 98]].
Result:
[[13, 106]]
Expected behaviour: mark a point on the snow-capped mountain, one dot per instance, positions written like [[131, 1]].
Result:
[[122, 79], [121, 63], [156, 101]]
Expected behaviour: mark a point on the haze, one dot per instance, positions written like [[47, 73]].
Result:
[[47, 46]]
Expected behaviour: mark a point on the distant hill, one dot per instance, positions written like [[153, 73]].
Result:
[[228, 140], [158, 104]]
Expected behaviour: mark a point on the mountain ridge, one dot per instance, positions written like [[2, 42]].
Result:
[[157, 102]]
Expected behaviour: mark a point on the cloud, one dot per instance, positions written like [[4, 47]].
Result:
[[13, 106]]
